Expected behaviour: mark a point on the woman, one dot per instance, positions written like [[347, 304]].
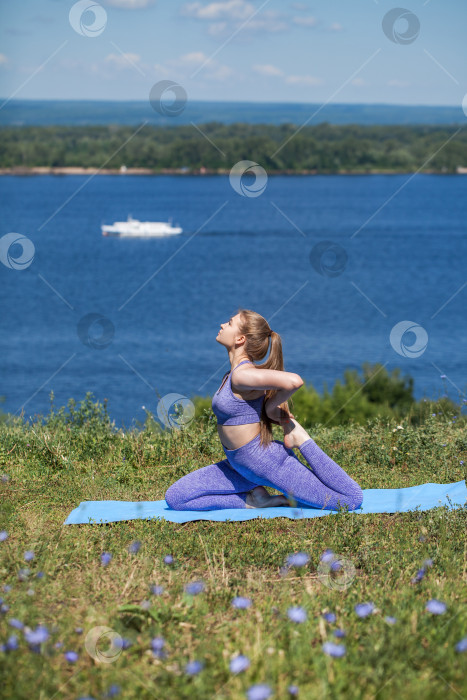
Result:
[[251, 398]]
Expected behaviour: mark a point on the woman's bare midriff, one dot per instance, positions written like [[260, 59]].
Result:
[[235, 436]]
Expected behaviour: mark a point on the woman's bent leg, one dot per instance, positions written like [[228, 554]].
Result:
[[330, 473], [209, 488], [295, 479], [278, 467]]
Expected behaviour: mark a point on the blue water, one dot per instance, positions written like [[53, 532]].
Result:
[[165, 299]]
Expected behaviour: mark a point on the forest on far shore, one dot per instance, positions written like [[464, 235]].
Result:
[[324, 148]]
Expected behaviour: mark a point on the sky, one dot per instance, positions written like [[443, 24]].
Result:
[[339, 51]]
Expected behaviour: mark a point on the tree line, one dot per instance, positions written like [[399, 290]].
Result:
[[324, 148]]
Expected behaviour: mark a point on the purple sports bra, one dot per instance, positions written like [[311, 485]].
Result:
[[231, 410]]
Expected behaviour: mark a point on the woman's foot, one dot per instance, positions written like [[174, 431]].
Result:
[[260, 498], [294, 434]]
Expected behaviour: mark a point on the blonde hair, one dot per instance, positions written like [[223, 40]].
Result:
[[256, 330]]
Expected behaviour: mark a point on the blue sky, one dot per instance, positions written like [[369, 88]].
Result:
[[252, 50]]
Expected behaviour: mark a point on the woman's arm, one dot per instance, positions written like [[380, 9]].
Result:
[[284, 383]]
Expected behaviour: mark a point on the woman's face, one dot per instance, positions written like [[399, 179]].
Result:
[[229, 331]]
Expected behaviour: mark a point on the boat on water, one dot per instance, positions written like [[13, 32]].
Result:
[[132, 228]]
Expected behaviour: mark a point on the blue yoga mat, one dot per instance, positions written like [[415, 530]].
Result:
[[422, 497]]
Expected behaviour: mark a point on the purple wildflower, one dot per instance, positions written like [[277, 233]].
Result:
[[40, 574], [327, 557], [112, 691], [436, 607], [7, 588], [157, 643], [71, 656], [293, 689], [157, 590], [3, 535], [418, 576], [462, 645], [23, 573], [193, 667], [134, 547], [37, 636], [105, 558], [241, 602], [79, 630], [259, 692], [16, 623], [29, 555], [390, 620], [333, 649], [297, 614], [121, 643], [194, 588], [299, 559], [239, 663], [329, 617], [12, 643], [363, 609], [4, 608], [168, 559], [339, 633], [58, 645]]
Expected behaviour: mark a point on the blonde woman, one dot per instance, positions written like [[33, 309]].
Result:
[[252, 397]]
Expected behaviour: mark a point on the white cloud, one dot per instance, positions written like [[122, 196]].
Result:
[[232, 9], [3, 59], [268, 69], [178, 68], [217, 28], [190, 59], [225, 17], [268, 22], [309, 21], [129, 4], [303, 80], [121, 61]]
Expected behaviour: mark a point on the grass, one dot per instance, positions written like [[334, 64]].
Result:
[[50, 467]]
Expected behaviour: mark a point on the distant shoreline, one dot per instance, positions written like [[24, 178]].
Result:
[[39, 170]]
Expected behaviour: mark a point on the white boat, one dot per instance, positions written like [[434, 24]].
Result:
[[132, 228]]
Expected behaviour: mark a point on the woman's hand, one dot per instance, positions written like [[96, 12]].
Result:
[[278, 415]]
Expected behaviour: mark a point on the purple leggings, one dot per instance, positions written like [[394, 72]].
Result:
[[225, 484]]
